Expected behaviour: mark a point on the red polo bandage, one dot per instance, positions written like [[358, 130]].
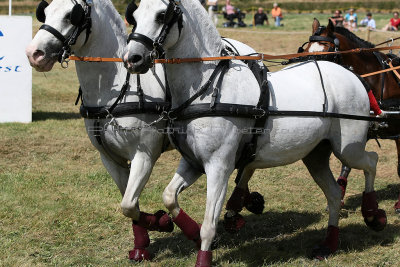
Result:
[[373, 104]]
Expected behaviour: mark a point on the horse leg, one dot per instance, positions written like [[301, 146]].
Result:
[[183, 178], [356, 157], [342, 181], [141, 167], [317, 163], [233, 221], [217, 181], [397, 205]]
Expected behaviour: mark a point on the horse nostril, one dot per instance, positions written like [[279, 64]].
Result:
[[135, 58], [37, 54]]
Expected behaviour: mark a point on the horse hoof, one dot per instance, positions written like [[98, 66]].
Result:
[[139, 254], [397, 207], [204, 259], [233, 223], [378, 222], [255, 203], [321, 252], [165, 223]]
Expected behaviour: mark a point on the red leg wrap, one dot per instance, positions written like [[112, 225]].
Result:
[[237, 199], [160, 221], [188, 226], [204, 259], [342, 181], [373, 104], [142, 241], [233, 224], [369, 205], [332, 238]]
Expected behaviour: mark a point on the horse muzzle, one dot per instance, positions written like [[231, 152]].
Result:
[[39, 59], [137, 63]]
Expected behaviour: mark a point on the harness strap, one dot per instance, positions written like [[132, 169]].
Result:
[[394, 71], [124, 109], [121, 94], [380, 61], [174, 113]]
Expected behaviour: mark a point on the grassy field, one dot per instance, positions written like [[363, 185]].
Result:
[[58, 205]]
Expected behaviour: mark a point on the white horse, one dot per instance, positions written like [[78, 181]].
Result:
[[101, 84], [213, 144]]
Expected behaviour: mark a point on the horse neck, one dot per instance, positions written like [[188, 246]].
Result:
[[101, 82], [199, 38]]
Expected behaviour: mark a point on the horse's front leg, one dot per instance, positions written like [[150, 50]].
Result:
[[141, 167], [218, 171], [397, 205], [185, 176]]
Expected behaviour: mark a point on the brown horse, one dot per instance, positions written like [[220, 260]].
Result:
[[385, 87]]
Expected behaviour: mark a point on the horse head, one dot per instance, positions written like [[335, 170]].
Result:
[[322, 39], [158, 25], [64, 21]]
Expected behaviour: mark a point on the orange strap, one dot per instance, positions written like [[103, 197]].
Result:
[[96, 59], [381, 71], [258, 57], [394, 71]]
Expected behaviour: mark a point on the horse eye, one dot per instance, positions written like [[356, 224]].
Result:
[[160, 17]]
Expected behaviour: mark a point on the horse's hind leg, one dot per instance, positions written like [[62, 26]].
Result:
[[397, 205], [355, 156], [342, 181], [241, 197], [317, 163]]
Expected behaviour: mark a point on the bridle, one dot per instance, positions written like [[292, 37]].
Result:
[[172, 15], [333, 42], [80, 19]]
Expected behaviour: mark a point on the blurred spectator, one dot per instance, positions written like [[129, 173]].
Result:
[[276, 14], [337, 18], [394, 23], [368, 21], [231, 13], [212, 10], [260, 17], [351, 25], [351, 15]]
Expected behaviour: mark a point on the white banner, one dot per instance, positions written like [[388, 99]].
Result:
[[15, 71]]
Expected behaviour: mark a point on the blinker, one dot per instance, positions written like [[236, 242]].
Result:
[[40, 15], [129, 13]]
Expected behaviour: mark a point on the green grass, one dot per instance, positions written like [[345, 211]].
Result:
[[59, 206]]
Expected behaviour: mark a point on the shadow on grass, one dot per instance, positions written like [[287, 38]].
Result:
[[42, 116], [269, 225], [391, 192], [276, 237]]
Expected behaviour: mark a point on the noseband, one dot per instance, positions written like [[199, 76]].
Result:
[[172, 15], [80, 19]]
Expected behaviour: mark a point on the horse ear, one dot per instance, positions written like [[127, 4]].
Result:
[[40, 15], [315, 25], [129, 13], [331, 26]]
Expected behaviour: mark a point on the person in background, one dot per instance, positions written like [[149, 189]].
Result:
[[230, 12], [368, 21], [260, 17], [337, 18], [350, 15], [276, 14], [212, 10], [394, 23], [351, 25]]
